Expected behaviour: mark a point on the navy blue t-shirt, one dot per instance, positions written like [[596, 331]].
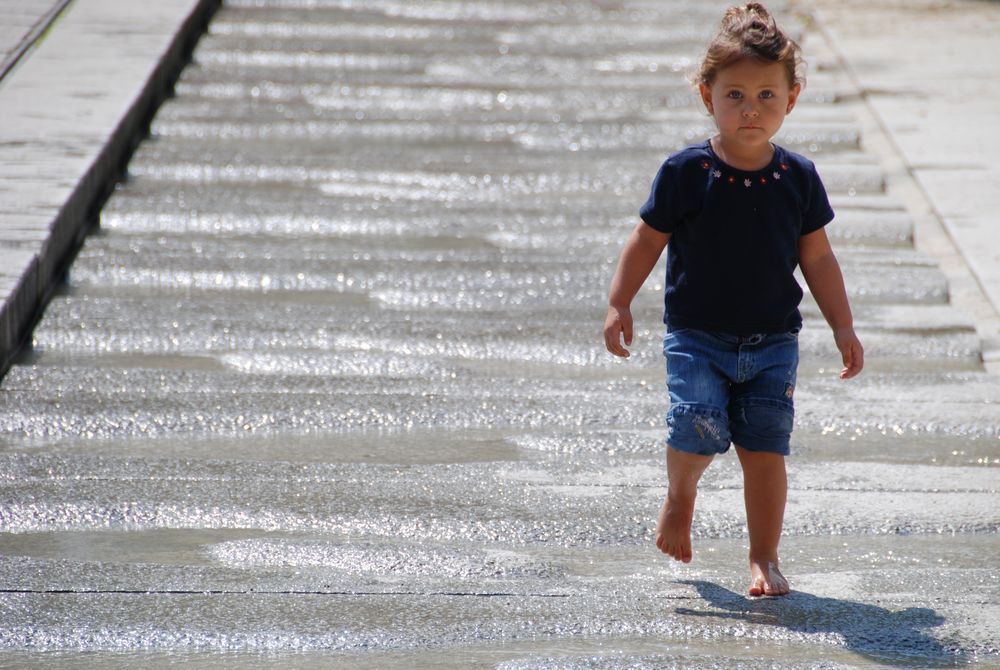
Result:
[[735, 237]]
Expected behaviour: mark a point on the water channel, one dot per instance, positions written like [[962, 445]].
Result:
[[328, 382]]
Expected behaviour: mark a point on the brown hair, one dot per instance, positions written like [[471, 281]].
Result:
[[749, 31]]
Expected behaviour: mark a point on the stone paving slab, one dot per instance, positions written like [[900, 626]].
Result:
[[23, 23], [67, 124], [925, 82]]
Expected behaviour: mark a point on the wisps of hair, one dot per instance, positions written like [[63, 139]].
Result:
[[749, 31]]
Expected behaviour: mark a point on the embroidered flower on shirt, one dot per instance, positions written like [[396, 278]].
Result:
[[716, 173]]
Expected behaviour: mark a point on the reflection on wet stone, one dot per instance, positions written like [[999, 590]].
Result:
[[329, 377]]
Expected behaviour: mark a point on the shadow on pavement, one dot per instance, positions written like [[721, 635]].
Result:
[[890, 637]]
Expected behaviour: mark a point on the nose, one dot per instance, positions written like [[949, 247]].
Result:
[[750, 111]]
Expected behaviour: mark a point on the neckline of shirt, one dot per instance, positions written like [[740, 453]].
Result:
[[775, 160]]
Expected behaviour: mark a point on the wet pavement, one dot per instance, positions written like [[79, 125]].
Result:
[[72, 108], [327, 386], [940, 159]]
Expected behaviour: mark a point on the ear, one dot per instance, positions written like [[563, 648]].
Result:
[[706, 97], [793, 95]]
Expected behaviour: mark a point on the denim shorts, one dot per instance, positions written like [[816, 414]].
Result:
[[730, 389]]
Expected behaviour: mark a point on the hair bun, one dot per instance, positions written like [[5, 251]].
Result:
[[749, 31]]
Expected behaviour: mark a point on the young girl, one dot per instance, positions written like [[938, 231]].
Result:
[[736, 214]]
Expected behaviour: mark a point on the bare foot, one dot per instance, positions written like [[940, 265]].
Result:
[[673, 531], [766, 579]]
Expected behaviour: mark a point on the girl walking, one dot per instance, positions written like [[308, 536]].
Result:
[[736, 214]]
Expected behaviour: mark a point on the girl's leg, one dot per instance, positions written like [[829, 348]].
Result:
[[673, 532], [765, 489]]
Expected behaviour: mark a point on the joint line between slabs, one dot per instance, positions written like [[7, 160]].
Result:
[[210, 592]]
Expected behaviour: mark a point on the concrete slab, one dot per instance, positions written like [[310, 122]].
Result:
[[67, 125], [925, 83], [24, 21]]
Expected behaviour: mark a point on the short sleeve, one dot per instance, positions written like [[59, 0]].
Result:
[[662, 210], [818, 211]]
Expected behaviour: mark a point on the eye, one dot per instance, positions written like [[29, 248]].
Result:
[[734, 95], [766, 95]]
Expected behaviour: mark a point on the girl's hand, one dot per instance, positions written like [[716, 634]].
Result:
[[851, 351], [616, 326]]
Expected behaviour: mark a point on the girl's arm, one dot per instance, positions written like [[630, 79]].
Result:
[[642, 250], [822, 273]]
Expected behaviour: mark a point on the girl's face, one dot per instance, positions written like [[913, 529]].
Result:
[[749, 100]]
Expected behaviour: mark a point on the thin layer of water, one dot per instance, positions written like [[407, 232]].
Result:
[[330, 380]]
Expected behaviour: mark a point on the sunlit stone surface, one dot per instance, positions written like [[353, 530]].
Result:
[[329, 380]]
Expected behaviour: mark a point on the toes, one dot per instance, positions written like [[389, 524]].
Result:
[[762, 586], [677, 552], [775, 583], [766, 579], [778, 588]]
